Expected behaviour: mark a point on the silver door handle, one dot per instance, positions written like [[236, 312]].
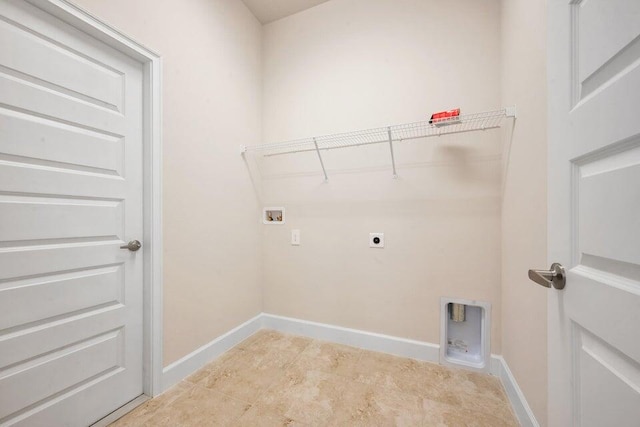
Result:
[[556, 276], [133, 245]]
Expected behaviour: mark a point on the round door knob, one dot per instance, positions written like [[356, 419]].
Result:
[[133, 245]]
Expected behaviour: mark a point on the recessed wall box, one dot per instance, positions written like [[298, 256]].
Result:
[[465, 329], [273, 216]]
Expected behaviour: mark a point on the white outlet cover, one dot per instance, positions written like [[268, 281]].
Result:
[[372, 238]]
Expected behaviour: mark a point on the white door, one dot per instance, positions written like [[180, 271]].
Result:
[[70, 196], [594, 212]]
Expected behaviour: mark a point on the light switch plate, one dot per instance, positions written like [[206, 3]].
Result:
[[295, 237], [376, 240]]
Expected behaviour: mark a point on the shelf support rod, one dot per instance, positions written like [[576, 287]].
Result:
[[393, 159], [326, 178]]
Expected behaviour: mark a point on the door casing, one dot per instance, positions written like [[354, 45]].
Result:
[[152, 175]]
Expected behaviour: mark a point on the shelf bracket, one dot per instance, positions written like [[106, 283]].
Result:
[[393, 159], [324, 171]]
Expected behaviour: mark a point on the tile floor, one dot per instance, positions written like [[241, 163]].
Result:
[[273, 379]]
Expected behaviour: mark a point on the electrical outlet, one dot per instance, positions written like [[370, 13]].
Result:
[[376, 240], [295, 237]]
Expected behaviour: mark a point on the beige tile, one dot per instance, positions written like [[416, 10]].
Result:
[[379, 407], [261, 334], [276, 379], [474, 392], [438, 414], [487, 404], [197, 376], [331, 358], [270, 342], [486, 384], [140, 415], [453, 387], [310, 397], [398, 373], [434, 382], [200, 407], [372, 362], [245, 376], [259, 416]]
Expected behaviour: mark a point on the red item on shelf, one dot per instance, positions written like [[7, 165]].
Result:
[[442, 115]]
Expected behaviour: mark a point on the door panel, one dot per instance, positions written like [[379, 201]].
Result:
[[66, 147], [601, 366], [607, 40], [75, 75], [55, 105], [32, 218], [89, 287], [70, 196], [28, 178], [594, 212], [48, 336], [63, 369], [60, 255], [607, 227]]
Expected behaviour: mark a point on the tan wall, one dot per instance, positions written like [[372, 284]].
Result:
[[524, 208], [353, 64], [211, 97]]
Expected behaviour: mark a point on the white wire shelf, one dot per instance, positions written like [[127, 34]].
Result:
[[389, 134]]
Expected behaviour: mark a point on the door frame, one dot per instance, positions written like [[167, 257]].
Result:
[[152, 175]]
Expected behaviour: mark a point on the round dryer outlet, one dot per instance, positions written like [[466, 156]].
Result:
[[376, 240]]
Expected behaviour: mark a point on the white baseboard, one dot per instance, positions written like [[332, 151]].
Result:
[[419, 350], [180, 369], [514, 393], [356, 338]]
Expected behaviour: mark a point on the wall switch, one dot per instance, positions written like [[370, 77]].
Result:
[[295, 237], [376, 240]]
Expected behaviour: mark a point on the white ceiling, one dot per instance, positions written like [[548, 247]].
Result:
[[270, 10]]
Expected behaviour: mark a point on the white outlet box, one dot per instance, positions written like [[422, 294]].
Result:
[[376, 240], [295, 237]]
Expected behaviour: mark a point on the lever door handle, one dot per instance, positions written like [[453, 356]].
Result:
[[133, 245], [555, 277]]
